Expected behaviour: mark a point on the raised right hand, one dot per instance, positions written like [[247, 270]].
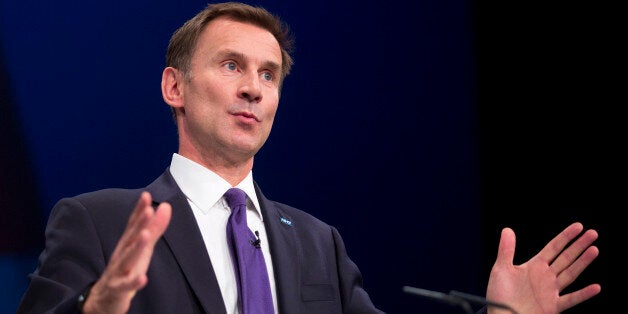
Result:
[[126, 272]]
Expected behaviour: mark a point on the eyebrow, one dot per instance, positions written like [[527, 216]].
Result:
[[230, 54]]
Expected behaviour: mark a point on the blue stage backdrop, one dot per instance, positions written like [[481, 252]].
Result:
[[376, 130]]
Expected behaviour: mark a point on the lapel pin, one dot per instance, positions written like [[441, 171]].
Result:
[[285, 221]]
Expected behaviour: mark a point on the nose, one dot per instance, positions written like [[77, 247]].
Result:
[[250, 88]]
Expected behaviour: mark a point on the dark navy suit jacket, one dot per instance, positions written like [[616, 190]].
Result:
[[313, 273]]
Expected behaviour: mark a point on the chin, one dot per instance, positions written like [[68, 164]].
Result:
[[248, 149]]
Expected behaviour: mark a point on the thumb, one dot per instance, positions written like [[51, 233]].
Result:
[[506, 250]]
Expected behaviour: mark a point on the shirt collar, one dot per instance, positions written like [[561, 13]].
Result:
[[204, 187]]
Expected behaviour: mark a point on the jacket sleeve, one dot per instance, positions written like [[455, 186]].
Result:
[[71, 261]]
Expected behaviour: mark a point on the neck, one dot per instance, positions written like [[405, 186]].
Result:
[[232, 171]]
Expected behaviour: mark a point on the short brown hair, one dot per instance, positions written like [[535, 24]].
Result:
[[183, 41]]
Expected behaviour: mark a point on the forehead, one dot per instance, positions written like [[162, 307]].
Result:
[[223, 34]]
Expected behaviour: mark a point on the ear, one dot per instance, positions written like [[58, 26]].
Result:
[[171, 87]]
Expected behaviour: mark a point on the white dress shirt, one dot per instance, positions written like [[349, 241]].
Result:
[[204, 190]]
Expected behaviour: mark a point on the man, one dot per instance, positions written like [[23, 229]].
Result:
[[165, 248]]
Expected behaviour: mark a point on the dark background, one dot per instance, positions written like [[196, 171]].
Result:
[[551, 128], [444, 121]]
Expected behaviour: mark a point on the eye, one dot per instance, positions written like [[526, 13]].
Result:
[[267, 76], [231, 66]]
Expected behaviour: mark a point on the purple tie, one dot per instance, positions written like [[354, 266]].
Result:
[[246, 254]]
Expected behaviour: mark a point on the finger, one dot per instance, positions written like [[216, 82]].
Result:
[[160, 220], [556, 245], [119, 281], [569, 255], [569, 275], [506, 249], [134, 264], [127, 256], [139, 218], [136, 258], [574, 298], [142, 212]]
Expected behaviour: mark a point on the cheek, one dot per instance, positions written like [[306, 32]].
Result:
[[272, 111], [270, 116], [273, 104]]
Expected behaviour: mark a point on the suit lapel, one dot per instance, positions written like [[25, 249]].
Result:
[[186, 242], [284, 245]]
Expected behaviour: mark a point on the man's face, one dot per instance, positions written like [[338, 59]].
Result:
[[231, 93]]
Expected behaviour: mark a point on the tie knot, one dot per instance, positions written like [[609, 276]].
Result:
[[235, 197]]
